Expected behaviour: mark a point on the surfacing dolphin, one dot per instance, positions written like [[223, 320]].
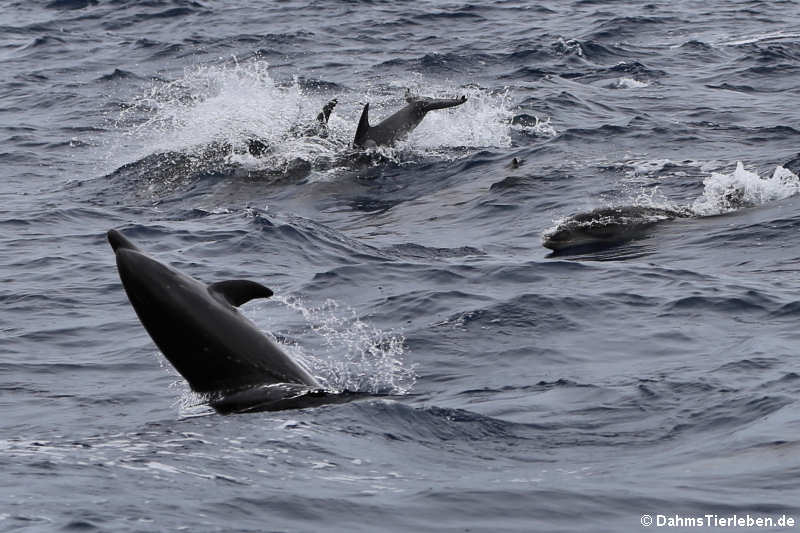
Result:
[[607, 226], [399, 125], [217, 350]]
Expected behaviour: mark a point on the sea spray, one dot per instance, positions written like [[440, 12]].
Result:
[[345, 353], [742, 188]]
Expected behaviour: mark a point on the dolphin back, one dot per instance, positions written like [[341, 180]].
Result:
[[607, 226]]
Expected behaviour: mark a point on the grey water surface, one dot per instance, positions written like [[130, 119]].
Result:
[[508, 389]]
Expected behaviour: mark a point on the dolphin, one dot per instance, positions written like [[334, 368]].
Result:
[[607, 226], [399, 125], [217, 350]]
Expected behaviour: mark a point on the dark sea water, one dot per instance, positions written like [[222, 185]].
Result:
[[509, 390]]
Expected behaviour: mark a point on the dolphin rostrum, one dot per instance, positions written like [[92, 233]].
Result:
[[399, 125], [217, 350]]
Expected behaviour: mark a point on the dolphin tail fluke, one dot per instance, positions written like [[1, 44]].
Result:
[[363, 127], [429, 104], [118, 241], [326, 111]]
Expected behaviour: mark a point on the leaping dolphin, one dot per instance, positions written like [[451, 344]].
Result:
[[217, 350], [399, 125]]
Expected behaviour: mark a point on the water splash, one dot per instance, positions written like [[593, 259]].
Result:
[[209, 113], [742, 188], [722, 192], [482, 121], [192, 404], [540, 128], [655, 198], [567, 47], [353, 355], [213, 104]]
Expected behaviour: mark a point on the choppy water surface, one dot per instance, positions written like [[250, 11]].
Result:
[[514, 390]]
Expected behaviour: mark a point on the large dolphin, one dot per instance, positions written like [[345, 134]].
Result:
[[399, 125], [199, 330]]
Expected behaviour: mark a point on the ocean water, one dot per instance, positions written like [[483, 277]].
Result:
[[508, 389]]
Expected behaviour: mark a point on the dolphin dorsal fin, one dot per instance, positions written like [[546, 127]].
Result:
[[239, 291], [363, 127]]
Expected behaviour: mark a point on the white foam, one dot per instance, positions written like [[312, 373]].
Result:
[[540, 128], [760, 37], [630, 83], [482, 121], [645, 170], [742, 188], [653, 197], [212, 104], [568, 47]]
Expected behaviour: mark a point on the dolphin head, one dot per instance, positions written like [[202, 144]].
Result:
[[118, 241], [144, 278], [557, 239], [166, 302]]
